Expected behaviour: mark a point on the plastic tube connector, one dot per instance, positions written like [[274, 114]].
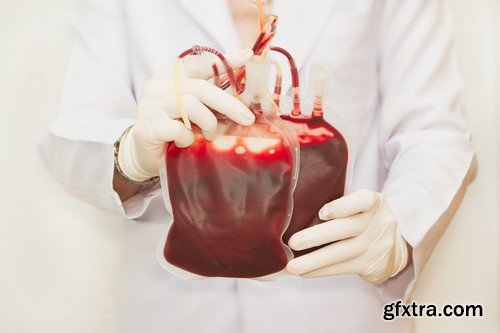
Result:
[[257, 75], [319, 81]]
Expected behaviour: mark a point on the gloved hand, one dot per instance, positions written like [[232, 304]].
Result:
[[141, 147], [366, 236]]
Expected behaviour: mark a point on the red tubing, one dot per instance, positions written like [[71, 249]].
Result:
[[257, 50], [266, 35], [197, 49], [216, 75], [291, 61], [277, 91], [296, 111]]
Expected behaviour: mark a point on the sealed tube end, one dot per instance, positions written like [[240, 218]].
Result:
[[257, 75], [319, 81]]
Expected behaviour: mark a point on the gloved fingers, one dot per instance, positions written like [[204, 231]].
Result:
[[200, 66], [354, 203], [184, 137], [325, 256], [168, 129], [329, 231], [201, 116], [196, 111], [352, 266], [220, 101], [372, 270]]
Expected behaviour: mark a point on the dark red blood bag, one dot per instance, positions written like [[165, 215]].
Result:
[[323, 157], [322, 172], [232, 198]]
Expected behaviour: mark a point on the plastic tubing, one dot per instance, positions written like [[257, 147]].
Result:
[[319, 80], [266, 35], [296, 111], [277, 83], [260, 13], [216, 75], [197, 49], [178, 96]]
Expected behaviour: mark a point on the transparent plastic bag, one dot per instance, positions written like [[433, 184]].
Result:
[[236, 201], [324, 154], [232, 198]]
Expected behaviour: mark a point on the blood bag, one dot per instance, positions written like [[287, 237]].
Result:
[[238, 199], [232, 198], [323, 157]]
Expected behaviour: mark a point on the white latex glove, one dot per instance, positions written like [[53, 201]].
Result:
[[366, 236], [158, 118]]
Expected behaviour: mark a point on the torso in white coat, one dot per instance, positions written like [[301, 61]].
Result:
[[339, 304], [121, 43]]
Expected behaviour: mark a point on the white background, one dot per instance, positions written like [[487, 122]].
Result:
[[59, 257]]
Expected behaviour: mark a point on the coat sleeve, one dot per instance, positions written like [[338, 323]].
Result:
[[97, 105], [423, 140]]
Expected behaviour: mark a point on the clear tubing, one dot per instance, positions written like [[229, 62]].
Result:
[[277, 83], [319, 80], [296, 111], [178, 96], [260, 14], [197, 49], [266, 35]]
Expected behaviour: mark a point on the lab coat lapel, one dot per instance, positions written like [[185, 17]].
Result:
[[214, 17], [300, 24]]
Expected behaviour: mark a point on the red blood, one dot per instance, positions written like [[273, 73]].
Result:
[[229, 199], [322, 173]]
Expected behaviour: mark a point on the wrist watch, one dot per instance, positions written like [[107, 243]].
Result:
[[118, 169]]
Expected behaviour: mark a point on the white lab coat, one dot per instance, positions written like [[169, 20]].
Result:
[[396, 85]]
